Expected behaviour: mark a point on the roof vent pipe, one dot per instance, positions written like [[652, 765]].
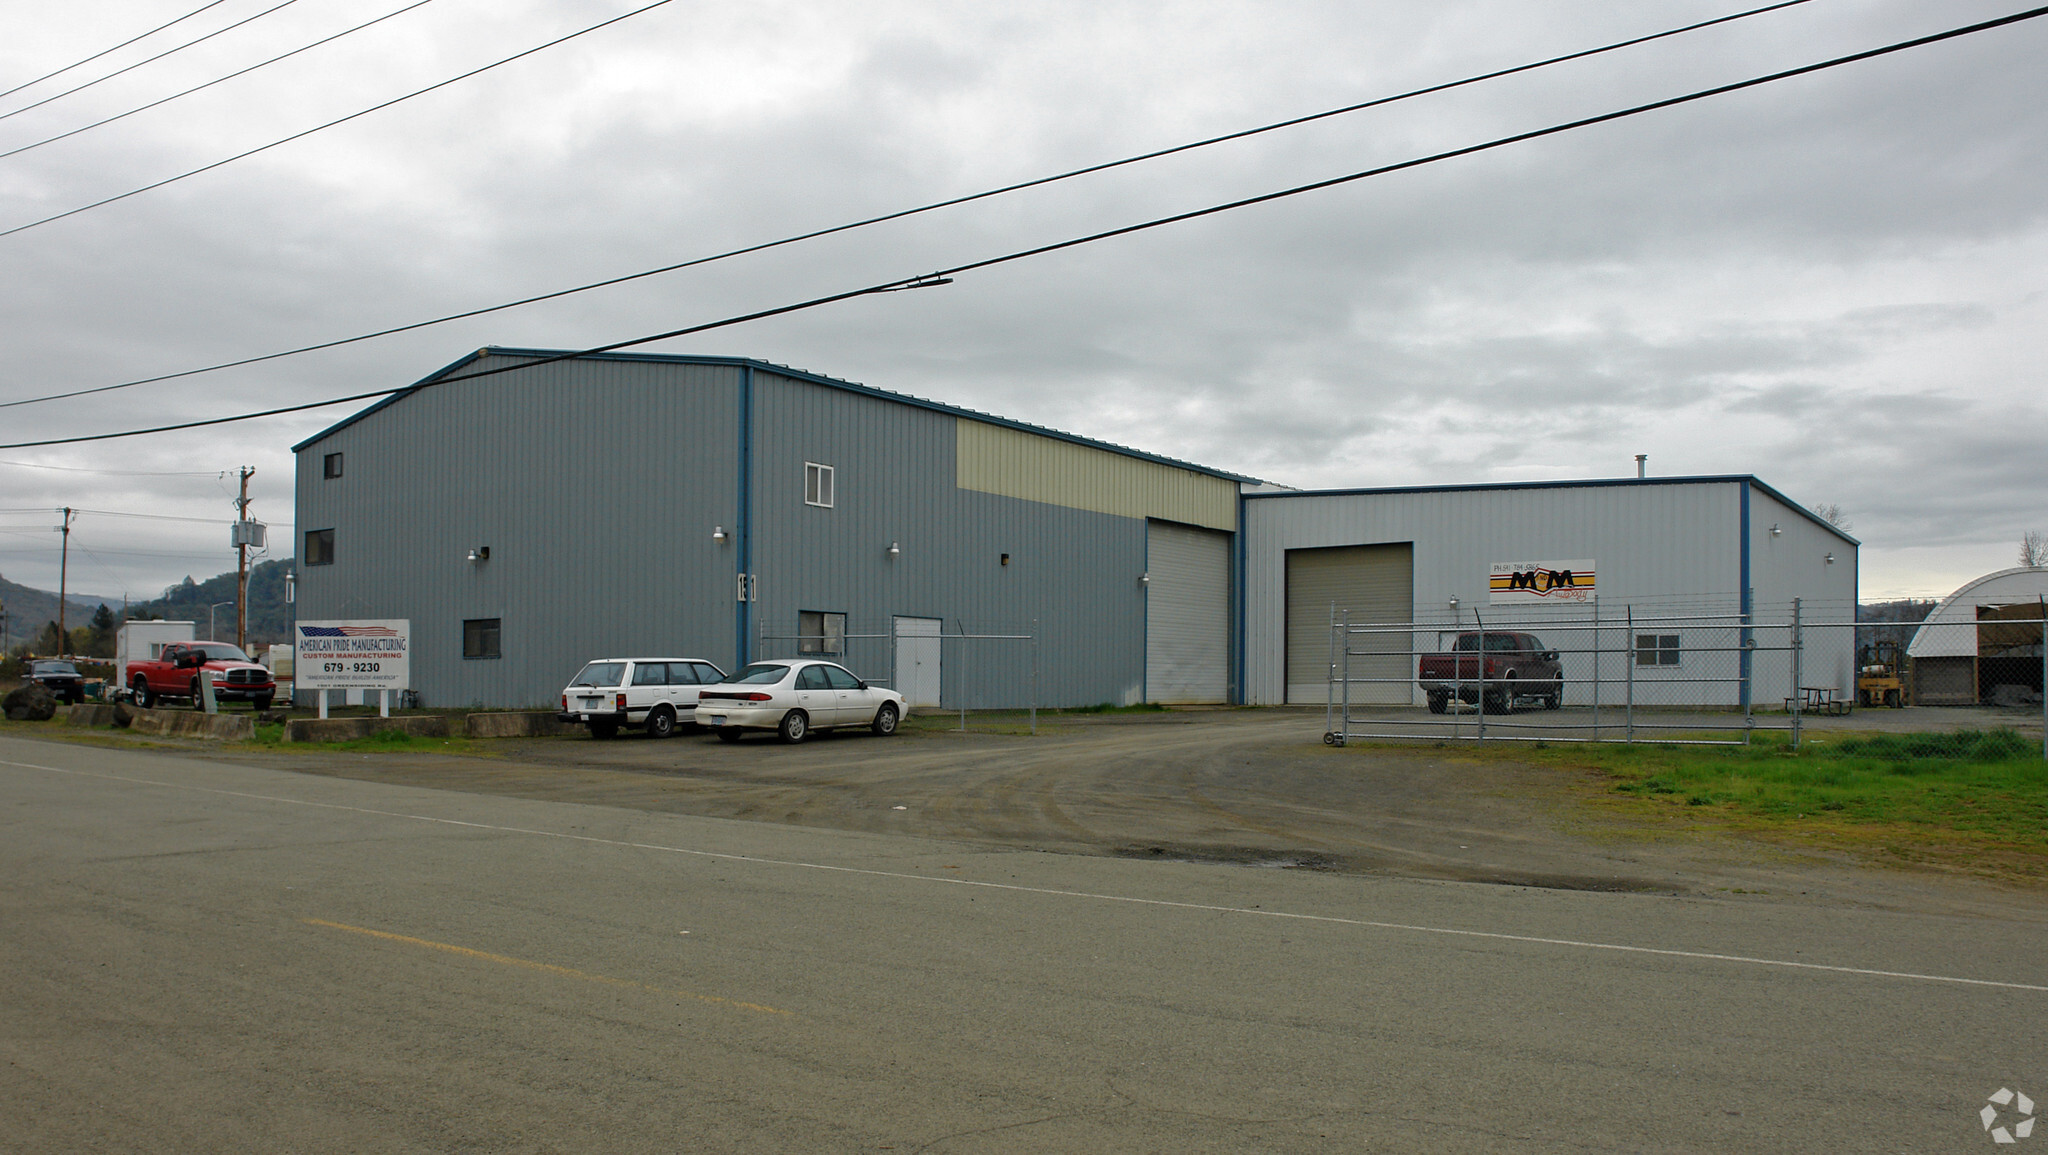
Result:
[[1642, 466]]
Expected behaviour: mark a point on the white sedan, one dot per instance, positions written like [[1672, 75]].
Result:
[[794, 698]]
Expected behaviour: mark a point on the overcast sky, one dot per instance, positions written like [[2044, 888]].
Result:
[[1835, 283]]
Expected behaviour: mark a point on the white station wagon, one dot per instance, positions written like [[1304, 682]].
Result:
[[794, 698], [654, 693]]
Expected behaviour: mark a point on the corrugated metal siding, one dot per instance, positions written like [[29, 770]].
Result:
[[1074, 572], [1372, 584], [1187, 614], [1668, 544], [595, 484], [1013, 463]]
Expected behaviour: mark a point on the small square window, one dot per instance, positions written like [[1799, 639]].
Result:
[[820, 633], [480, 638], [1657, 649], [817, 484], [319, 547], [330, 466]]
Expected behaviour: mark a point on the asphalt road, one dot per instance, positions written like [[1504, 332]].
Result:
[[209, 956]]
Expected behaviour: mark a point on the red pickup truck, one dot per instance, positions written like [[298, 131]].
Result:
[[1510, 665], [175, 674]]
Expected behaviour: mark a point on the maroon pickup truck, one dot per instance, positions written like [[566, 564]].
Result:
[[175, 674], [1510, 665]]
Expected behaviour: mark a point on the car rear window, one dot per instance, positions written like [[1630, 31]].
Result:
[[600, 674], [759, 674]]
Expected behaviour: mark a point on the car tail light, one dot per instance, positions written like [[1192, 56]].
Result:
[[1490, 670], [565, 702], [754, 697], [621, 706]]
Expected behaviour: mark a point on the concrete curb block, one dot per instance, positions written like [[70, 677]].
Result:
[[90, 716], [193, 724], [347, 729], [512, 725]]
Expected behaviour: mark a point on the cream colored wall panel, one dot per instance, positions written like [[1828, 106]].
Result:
[[1014, 463]]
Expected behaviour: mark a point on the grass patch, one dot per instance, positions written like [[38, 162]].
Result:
[[1988, 787]]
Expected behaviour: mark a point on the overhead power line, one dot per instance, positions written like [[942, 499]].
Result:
[[119, 472], [216, 80], [115, 48], [945, 276], [333, 123], [149, 60], [910, 212]]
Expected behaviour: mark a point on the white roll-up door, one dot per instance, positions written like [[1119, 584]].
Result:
[[1187, 614], [1376, 583]]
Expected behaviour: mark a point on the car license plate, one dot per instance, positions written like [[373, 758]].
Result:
[[718, 719]]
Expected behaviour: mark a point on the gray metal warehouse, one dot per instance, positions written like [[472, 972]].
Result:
[[723, 508], [1693, 555], [730, 509]]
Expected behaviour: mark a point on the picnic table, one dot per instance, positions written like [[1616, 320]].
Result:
[[1820, 700]]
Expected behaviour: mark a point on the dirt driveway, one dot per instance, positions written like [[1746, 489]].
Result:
[[1230, 786]]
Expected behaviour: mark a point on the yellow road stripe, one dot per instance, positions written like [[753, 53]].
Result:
[[529, 964]]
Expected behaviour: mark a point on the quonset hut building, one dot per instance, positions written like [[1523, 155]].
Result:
[[729, 509]]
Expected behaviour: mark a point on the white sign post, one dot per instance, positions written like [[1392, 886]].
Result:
[[1537, 582], [354, 655]]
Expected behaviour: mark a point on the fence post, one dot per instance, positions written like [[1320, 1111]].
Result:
[[1629, 669], [1798, 693], [1330, 676], [2044, 679], [1596, 667], [963, 675], [1479, 659], [1345, 720], [1034, 677]]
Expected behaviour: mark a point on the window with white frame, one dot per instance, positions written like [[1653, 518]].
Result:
[[817, 484], [820, 633], [1657, 649]]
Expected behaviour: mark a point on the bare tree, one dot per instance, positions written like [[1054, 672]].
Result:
[[2034, 548], [1833, 514]]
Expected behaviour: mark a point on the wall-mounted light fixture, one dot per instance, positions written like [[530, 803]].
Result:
[[1830, 559], [718, 534], [1006, 559], [1775, 531], [480, 553], [895, 550], [1454, 601], [1145, 579]]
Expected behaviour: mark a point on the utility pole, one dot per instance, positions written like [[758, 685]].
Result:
[[63, 582], [242, 564]]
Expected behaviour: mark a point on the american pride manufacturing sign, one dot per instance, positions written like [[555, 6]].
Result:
[[366, 655], [1534, 582]]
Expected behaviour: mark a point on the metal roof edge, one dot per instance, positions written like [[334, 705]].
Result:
[[795, 375], [395, 396], [1808, 514], [1476, 486], [1582, 483]]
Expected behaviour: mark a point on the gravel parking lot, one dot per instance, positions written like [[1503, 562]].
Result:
[[1227, 786]]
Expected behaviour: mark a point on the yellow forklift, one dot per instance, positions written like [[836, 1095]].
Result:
[[1881, 675]]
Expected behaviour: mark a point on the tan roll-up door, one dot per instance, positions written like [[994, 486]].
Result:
[[1376, 583], [1187, 614]]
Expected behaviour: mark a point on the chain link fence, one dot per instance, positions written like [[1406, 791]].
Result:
[[1707, 673]]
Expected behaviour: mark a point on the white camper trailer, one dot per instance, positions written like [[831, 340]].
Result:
[[143, 641]]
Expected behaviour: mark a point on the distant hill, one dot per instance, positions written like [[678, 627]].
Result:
[[28, 609], [269, 619]]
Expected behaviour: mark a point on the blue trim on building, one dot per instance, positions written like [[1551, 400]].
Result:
[[1748, 600], [1239, 564], [743, 611], [793, 374]]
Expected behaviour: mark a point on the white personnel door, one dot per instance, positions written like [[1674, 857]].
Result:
[[917, 661]]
